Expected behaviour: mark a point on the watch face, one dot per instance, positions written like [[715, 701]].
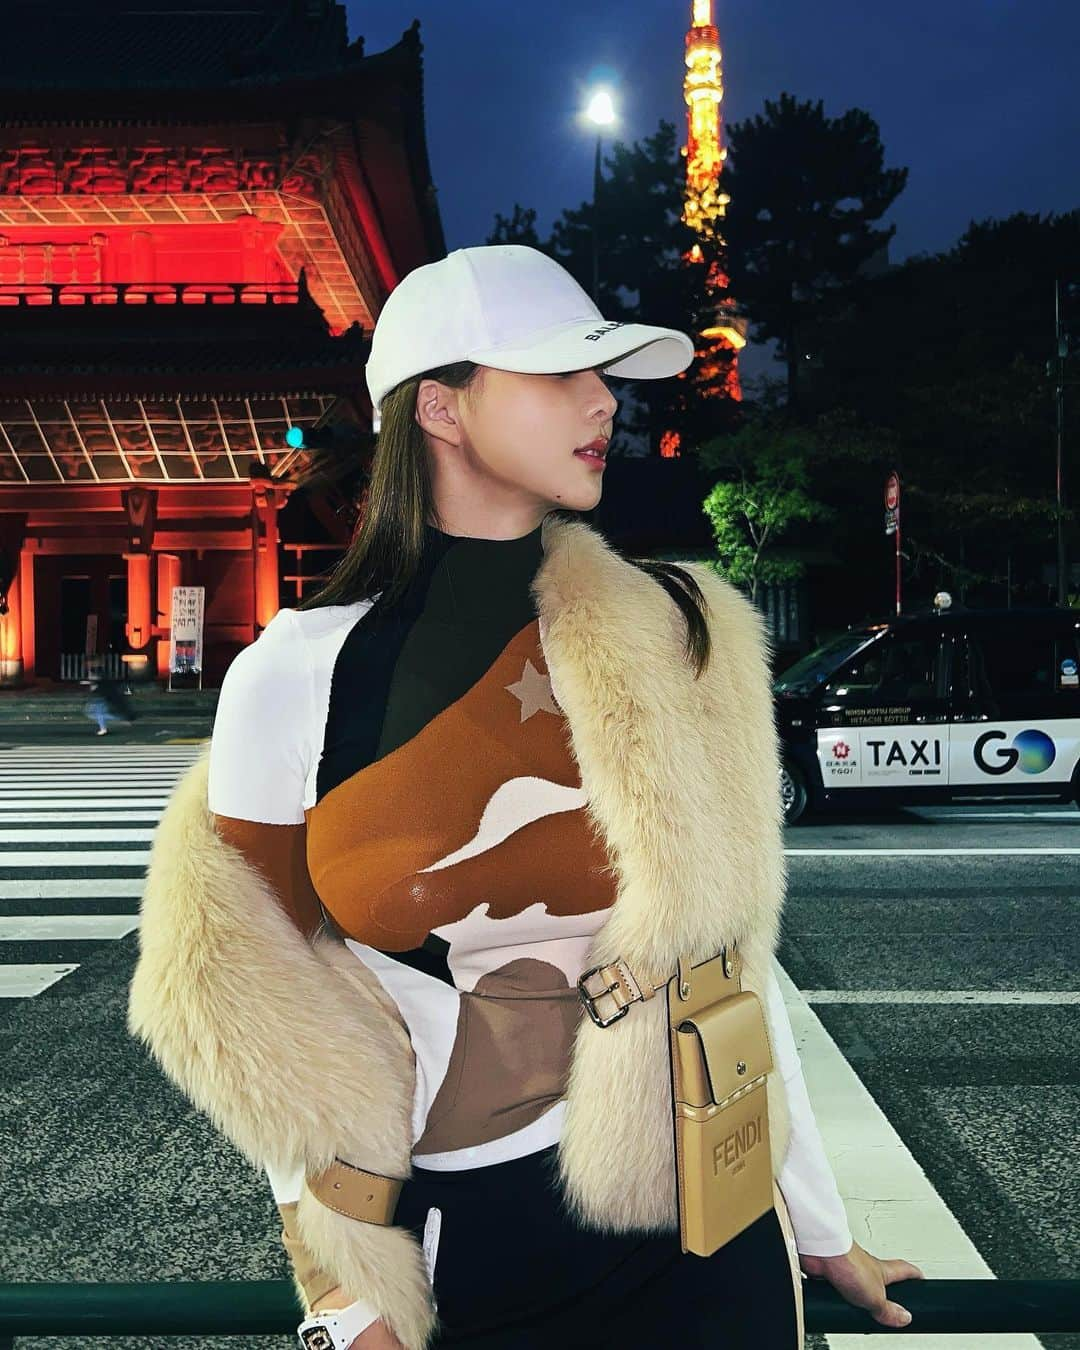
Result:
[[317, 1338]]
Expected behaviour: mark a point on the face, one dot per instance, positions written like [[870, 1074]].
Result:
[[502, 453]]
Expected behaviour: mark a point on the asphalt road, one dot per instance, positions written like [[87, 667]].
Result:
[[938, 949]]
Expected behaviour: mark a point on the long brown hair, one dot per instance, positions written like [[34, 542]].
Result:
[[385, 551]]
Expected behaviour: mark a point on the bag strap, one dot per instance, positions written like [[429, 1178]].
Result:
[[609, 991]]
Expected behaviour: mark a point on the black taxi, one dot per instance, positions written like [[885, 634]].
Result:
[[954, 705]]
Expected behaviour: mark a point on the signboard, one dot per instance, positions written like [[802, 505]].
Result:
[[901, 753], [892, 523], [186, 636]]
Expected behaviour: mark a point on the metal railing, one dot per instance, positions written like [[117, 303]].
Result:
[[269, 1307], [73, 665]]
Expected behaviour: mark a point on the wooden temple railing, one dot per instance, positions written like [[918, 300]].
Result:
[[26, 293]]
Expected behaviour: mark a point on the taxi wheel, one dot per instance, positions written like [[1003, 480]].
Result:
[[793, 792]]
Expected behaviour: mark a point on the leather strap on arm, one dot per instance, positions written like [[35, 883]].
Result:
[[355, 1193]]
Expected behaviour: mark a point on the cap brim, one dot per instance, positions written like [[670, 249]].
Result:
[[633, 351]]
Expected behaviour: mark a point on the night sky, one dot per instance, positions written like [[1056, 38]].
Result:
[[979, 98]]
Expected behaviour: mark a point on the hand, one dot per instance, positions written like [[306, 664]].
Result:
[[861, 1279], [378, 1336]]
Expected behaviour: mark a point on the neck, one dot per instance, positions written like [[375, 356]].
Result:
[[468, 579], [485, 531]]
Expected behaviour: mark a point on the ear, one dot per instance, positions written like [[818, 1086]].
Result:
[[438, 411]]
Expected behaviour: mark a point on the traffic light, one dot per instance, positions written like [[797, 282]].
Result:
[[318, 438]]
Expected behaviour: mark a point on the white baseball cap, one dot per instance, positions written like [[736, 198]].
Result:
[[512, 308]]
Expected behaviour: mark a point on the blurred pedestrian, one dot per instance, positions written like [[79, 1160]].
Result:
[[107, 701]]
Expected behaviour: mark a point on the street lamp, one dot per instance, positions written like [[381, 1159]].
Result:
[[601, 113]]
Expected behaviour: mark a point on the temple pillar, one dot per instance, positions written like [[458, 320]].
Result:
[[264, 545], [168, 576], [138, 629], [25, 583], [11, 640]]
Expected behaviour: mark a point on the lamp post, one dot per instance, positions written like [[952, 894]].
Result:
[[601, 113]]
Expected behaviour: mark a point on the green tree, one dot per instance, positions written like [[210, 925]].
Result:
[[946, 355], [519, 228], [766, 489], [805, 192]]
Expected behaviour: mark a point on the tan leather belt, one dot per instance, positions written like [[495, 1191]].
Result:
[[609, 991], [355, 1193]]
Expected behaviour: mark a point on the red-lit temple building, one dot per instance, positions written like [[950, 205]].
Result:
[[202, 208]]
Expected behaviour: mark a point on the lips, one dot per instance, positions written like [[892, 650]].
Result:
[[595, 449]]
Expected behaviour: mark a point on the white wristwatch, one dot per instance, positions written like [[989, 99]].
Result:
[[337, 1328]]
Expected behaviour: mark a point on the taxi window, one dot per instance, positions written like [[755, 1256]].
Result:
[[897, 670], [1010, 664]]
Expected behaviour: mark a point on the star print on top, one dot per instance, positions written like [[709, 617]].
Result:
[[534, 690]]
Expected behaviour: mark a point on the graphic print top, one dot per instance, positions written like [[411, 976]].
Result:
[[411, 779], [448, 842]]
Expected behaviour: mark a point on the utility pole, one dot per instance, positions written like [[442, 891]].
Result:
[[1059, 399], [596, 224]]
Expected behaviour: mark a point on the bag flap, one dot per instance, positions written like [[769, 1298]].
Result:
[[732, 1032]]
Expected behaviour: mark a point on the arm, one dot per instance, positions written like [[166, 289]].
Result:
[[806, 1179], [317, 1290], [254, 1010], [809, 1189]]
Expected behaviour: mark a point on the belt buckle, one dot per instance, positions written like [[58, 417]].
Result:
[[588, 999]]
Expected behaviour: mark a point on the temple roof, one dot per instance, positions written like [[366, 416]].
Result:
[[124, 349], [282, 71], [138, 44]]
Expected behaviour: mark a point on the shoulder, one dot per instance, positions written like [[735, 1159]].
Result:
[[266, 722], [291, 646], [318, 630]]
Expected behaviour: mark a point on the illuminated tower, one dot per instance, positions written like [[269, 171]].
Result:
[[703, 89], [705, 204]]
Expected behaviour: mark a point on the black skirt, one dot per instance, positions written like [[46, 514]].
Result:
[[513, 1271]]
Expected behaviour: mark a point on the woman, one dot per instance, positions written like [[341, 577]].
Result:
[[491, 754]]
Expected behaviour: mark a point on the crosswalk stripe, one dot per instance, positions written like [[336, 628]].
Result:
[[87, 763], [73, 927], [150, 778], [83, 821], [76, 857], [44, 755], [27, 981], [982, 997], [929, 852], [70, 888], [49, 796], [72, 836], [85, 816], [90, 754]]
